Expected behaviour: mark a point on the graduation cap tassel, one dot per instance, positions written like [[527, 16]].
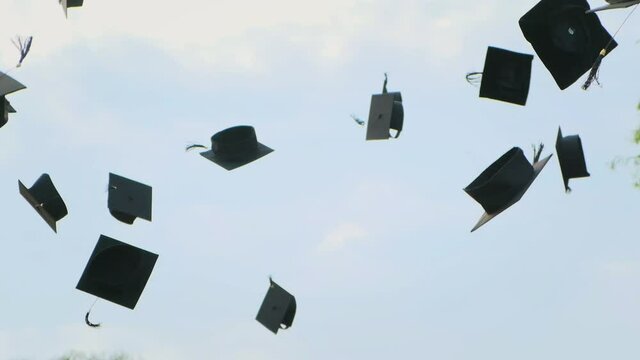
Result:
[[474, 78], [86, 316], [595, 69], [537, 151], [194, 146], [88, 322], [357, 120], [23, 45], [593, 74], [384, 86]]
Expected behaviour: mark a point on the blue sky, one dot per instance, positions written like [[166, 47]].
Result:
[[371, 237]]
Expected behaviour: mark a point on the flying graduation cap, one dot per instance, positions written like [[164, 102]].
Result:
[[568, 40], [571, 158], [506, 76], [69, 3], [504, 182], [45, 199], [117, 272], [234, 147], [128, 199], [8, 85], [385, 113], [615, 4], [278, 308]]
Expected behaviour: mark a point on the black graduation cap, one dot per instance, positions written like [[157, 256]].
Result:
[[117, 272], [70, 3], [506, 76], [278, 308], [567, 40], [571, 158], [45, 199], [128, 199], [503, 183], [386, 113], [235, 147], [8, 85]]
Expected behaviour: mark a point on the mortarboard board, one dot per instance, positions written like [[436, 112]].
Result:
[[615, 4], [117, 272], [235, 147], [503, 183], [45, 199], [385, 113], [128, 199], [506, 76], [69, 3], [278, 308], [9, 85], [567, 40], [571, 158]]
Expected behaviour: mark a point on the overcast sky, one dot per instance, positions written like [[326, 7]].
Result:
[[371, 237]]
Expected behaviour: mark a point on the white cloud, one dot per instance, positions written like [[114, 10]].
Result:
[[340, 236], [622, 268], [229, 33]]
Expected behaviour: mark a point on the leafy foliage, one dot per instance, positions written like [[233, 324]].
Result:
[[635, 160]]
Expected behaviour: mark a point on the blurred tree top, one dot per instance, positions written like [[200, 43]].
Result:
[[75, 355], [634, 159]]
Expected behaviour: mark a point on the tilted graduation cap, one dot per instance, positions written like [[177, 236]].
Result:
[[506, 76], [8, 85], [128, 199], [235, 147], [278, 308], [571, 158], [503, 183], [45, 199], [117, 272], [568, 41], [386, 113], [615, 4], [69, 3]]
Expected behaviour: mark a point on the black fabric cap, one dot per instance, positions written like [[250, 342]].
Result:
[[128, 199], [278, 308], [69, 3], [503, 183], [235, 147], [386, 113], [567, 40], [506, 76], [9, 108], [117, 272], [571, 158], [5, 111], [4, 114], [45, 199]]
